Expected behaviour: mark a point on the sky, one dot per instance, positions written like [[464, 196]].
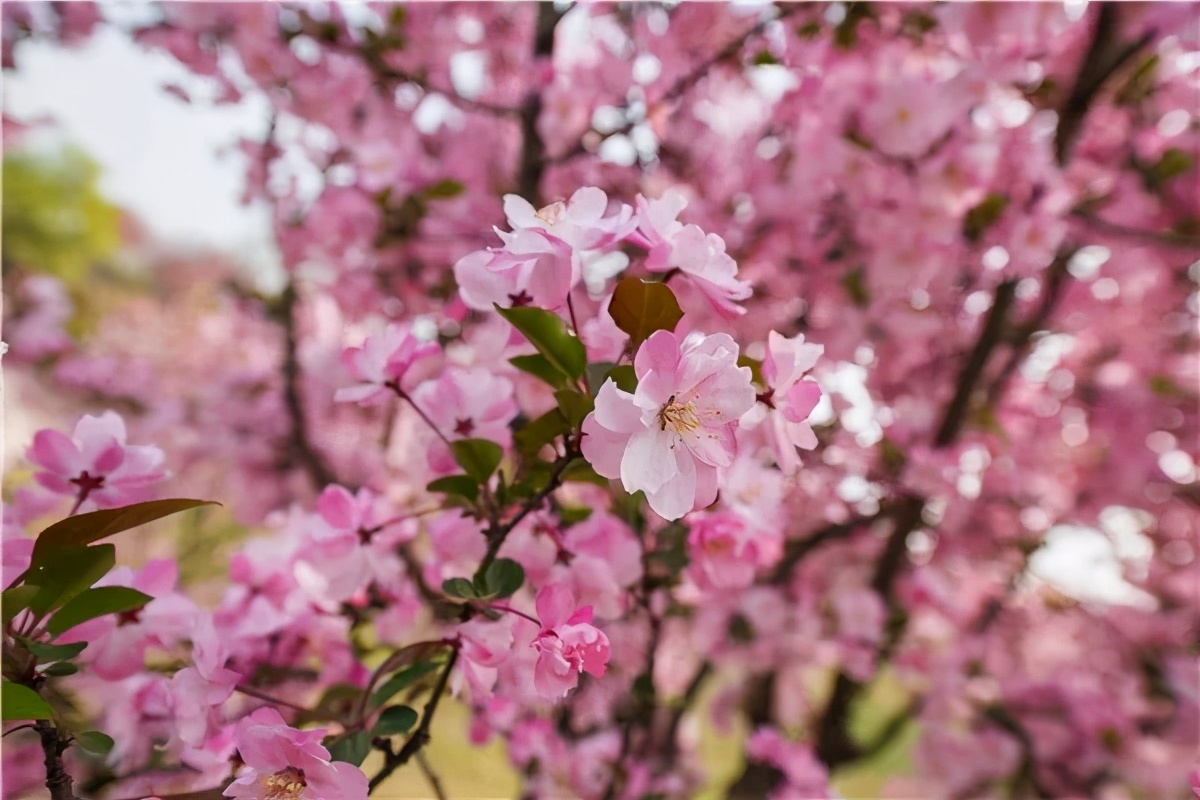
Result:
[[170, 163]]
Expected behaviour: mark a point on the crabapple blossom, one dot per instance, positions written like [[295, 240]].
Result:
[[95, 463], [670, 436], [380, 361], [567, 645], [282, 762]]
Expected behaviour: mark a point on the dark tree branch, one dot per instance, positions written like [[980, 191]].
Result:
[[54, 744], [1172, 239], [392, 761], [533, 150], [1105, 55], [299, 445]]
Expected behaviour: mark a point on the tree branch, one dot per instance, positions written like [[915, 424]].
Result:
[[58, 780], [299, 445], [421, 736]]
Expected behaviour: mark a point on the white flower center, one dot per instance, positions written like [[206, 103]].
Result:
[[553, 213]]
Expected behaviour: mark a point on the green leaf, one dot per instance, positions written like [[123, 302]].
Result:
[[624, 377], [351, 748], [640, 308], [571, 515], [575, 406], [539, 366], [336, 704], [61, 669], [21, 702], [63, 574], [580, 471], [443, 190], [983, 216], [461, 485], [401, 681], [459, 587], [855, 284], [97, 603], [394, 720], [478, 457], [1173, 163], [15, 600], [94, 742], [550, 336], [46, 653], [503, 577], [83, 529], [537, 433]]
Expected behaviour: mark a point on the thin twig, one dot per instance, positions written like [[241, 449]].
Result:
[[301, 447], [1172, 239], [435, 782], [250, 691]]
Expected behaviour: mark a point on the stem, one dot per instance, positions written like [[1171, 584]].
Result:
[[421, 736], [302, 449], [83, 494], [250, 691], [511, 610], [575, 325], [435, 782], [403, 395]]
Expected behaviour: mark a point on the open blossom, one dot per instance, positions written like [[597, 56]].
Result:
[[532, 268], [670, 436], [382, 359], [466, 404], [95, 463], [582, 222], [568, 643], [700, 257], [789, 398], [283, 763]]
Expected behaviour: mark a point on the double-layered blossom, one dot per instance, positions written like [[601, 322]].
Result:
[[95, 463], [670, 436], [790, 399], [382, 359], [698, 256], [567, 644], [283, 763], [547, 253]]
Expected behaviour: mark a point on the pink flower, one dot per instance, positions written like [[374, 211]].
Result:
[[288, 764], [670, 436], [582, 222], [533, 268], [466, 404], [381, 360], [568, 643], [726, 551], [700, 257], [789, 398], [95, 463]]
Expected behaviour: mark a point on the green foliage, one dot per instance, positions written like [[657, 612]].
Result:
[[459, 587], [94, 742], [539, 366], [94, 603], [502, 578], [83, 529], [549, 334], [640, 308], [983, 216], [394, 720], [479, 458], [461, 485], [54, 219], [352, 748], [401, 681], [21, 702], [64, 574]]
